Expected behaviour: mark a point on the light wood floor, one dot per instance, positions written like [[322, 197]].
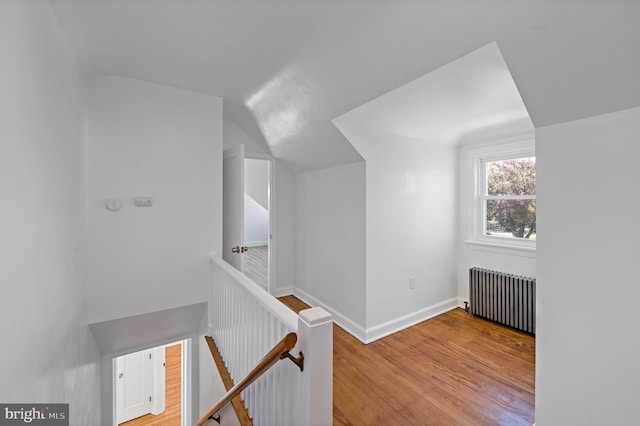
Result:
[[173, 381], [256, 265], [450, 370]]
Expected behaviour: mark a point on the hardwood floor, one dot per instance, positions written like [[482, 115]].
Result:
[[450, 370], [256, 265], [173, 384]]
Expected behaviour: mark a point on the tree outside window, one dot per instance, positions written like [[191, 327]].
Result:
[[510, 198]]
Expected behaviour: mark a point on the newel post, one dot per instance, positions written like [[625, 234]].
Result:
[[315, 330]]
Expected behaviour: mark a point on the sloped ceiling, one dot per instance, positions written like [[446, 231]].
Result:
[[287, 68], [459, 102]]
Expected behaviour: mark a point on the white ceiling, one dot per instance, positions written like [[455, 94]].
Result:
[[286, 68], [459, 101]]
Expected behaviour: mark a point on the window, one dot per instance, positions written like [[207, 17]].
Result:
[[503, 215], [509, 198]]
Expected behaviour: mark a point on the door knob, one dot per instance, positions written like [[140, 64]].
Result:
[[235, 249]]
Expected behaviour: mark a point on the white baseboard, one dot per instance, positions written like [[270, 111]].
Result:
[[406, 321], [372, 334], [348, 325]]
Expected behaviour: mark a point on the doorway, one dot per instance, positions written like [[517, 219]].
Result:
[[248, 214], [257, 212], [149, 386]]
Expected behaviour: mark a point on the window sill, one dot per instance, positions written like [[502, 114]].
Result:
[[509, 249]]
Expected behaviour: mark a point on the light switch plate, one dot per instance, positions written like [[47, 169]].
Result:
[[143, 201]]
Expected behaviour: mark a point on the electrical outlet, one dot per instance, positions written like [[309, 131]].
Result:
[[412, 283], [143, 201]]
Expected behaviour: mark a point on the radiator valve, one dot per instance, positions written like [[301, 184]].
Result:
[[466, 307]]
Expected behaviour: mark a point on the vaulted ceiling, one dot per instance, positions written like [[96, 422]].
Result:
[[286, 68], [472, 99]]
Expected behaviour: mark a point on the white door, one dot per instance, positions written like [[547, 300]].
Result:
[[134, 381], [233, 206]]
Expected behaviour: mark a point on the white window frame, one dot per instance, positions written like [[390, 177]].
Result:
[[477, 160]]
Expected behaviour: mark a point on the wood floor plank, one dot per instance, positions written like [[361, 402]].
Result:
[[256, 265], [453, 369]]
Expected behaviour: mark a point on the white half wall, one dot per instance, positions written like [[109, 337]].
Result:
[[49, 354], [587, 344], [165, 143], [330, 252]]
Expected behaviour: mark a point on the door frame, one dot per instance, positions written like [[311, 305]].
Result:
[[272, 237], [187, 371], [159, 379]]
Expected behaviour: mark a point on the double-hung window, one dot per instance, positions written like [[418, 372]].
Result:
[[504, 199]]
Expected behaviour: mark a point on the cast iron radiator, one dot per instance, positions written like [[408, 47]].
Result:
[[504, 298]]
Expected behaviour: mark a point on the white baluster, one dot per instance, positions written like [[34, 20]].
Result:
[[246, 324]]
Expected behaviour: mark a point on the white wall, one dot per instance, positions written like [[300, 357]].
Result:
[[330, 252], [165, 143], [469, 257], [411, 228], [256, 180], [283, 232], [256, 223], [49, 354], [509, 263], [411, 231], [587, 341], [256, 202], [234, 135]]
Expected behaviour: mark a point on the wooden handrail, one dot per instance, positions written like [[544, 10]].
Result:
[[278, 352], [236, 402]]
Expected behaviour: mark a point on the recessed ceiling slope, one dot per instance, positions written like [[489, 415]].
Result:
[[569, 59], [459, 101]]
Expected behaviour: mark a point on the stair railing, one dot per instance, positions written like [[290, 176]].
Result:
[[280, 351], [246, 322]]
